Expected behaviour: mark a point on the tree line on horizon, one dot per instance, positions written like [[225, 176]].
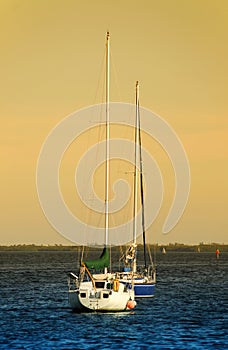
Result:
[[175, 247]]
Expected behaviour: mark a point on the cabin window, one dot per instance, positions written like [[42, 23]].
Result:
[[97, 295], [83, 295], [99, 284], [105, 295], [109, 285]]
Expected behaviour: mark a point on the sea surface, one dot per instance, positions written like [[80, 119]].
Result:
[[189, 310]]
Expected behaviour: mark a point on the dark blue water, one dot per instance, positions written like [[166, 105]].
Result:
[[189, 310]]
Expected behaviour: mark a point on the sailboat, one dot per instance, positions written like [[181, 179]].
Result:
[[163, 250], [144, 277], [104, 292]]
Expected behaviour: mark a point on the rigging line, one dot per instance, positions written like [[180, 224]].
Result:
[[115, 76], [87, 211], [100, 127], [141, 186], [120, 173], [150, 255], [155, 255], [122, 253], [113, 218], [100, 78], [100, 138], [82, 254], [132, 138], [110, 258], [90, 276]]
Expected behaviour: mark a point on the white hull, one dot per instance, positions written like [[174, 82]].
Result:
[[87, 299]]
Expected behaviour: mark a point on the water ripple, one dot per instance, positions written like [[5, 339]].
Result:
[[189, 310]]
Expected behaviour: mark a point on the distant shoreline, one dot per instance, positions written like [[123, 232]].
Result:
[[171, 247]]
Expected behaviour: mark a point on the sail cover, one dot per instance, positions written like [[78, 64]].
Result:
[[100, 263]]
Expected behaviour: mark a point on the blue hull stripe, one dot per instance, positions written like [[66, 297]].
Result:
[[144, 290]]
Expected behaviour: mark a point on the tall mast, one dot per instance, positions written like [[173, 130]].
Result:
[[107, 138], [136, 171], [142, 192]]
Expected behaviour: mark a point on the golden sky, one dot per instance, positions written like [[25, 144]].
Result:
[[50, 65]]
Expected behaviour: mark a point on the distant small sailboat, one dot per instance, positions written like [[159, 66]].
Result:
[[89, 292], [163, 250]]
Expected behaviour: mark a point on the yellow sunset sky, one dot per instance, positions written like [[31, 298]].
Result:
[[50, 66]]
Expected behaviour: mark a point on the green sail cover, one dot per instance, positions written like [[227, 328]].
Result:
[[100, 263]]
